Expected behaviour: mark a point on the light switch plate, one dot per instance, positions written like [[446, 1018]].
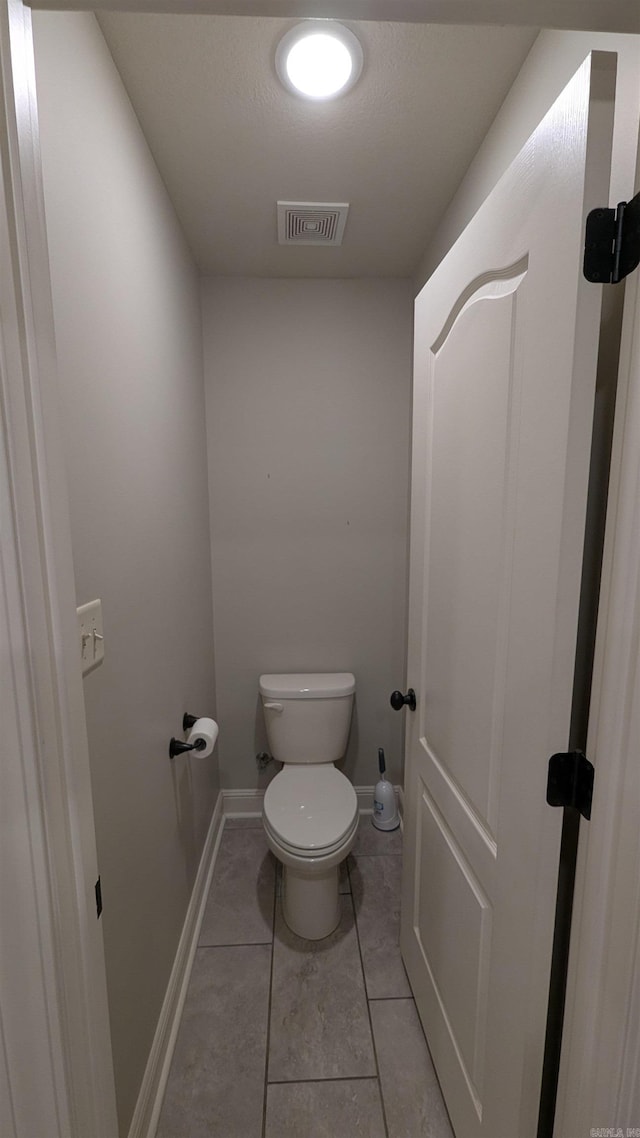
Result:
[[90, 634]]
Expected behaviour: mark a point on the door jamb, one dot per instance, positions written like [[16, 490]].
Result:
[[55, 873], [600, 1063]]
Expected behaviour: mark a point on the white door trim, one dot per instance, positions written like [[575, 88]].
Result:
[[601, 1056], [51, 938], [612, 16]]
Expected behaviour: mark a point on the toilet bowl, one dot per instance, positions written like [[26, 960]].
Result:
[[310, 812]]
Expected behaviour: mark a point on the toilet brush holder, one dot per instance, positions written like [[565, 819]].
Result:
[[385, 810]]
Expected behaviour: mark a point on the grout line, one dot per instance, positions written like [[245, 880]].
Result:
[[329, 1079], [388, 999], [268, 1040], [364, 980], [237, 944]]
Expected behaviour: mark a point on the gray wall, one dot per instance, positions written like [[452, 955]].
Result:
[[308, 413], [552, 61], [127, 310]]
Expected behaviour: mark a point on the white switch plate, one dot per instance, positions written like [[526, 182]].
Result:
[[90, 635]]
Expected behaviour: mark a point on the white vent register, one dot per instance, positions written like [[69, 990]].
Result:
[[311, 223]]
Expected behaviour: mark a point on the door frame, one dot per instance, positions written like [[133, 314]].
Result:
[[600, 1062], [58, 938], [55, 1023], [580, 15]]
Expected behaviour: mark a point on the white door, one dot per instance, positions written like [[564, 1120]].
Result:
[[505, 359]]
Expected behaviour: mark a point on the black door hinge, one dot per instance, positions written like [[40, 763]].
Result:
[[98, 898], [612, 242], [570, 782]]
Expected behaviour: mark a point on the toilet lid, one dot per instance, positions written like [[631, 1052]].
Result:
[[310, 806]]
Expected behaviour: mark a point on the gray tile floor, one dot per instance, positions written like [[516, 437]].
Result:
[[287, 1038]]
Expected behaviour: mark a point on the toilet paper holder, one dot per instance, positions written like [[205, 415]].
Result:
[[177, 747]]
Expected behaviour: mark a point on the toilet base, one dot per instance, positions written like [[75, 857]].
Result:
[[310, 897], [311, 905]]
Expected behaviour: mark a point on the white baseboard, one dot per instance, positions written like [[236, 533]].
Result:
[[145, 1117], [364, 795], [242, 803], [248, 803]]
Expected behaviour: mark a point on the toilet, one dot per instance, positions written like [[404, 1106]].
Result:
[[310, 812]]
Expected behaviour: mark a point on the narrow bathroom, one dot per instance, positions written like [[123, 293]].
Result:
[[237, 427]]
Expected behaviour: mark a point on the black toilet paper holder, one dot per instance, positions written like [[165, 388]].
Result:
[[177, 747]]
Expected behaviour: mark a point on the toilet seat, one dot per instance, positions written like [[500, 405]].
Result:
[[281, 846], [311, 810]]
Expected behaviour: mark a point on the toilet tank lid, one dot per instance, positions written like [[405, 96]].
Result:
[[308, 685]]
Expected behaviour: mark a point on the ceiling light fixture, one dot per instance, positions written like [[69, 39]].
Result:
[[319, 59]]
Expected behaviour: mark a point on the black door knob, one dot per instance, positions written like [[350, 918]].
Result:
[[398, 700]]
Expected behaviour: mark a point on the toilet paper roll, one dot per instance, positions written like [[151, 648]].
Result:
[[207, 730]]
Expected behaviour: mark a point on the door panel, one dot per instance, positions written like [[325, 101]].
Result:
[[469, 532], [450, 893], [505, 363]]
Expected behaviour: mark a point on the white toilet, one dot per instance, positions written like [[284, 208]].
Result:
[[310, 809]]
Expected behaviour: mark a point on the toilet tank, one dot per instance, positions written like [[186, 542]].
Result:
[[308, 715]]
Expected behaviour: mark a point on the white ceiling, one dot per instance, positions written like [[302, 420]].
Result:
[[230, 141]]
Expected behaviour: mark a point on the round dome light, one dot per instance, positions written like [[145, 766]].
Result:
[[319, 59]]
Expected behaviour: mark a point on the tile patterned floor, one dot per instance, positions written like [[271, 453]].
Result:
[[287, 1038]]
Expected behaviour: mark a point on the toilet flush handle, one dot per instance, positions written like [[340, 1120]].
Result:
[[271, 706]]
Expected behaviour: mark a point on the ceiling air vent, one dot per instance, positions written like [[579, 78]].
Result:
[[311, 223]]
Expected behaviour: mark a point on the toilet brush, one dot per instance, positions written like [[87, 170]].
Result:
[[385, 811]]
